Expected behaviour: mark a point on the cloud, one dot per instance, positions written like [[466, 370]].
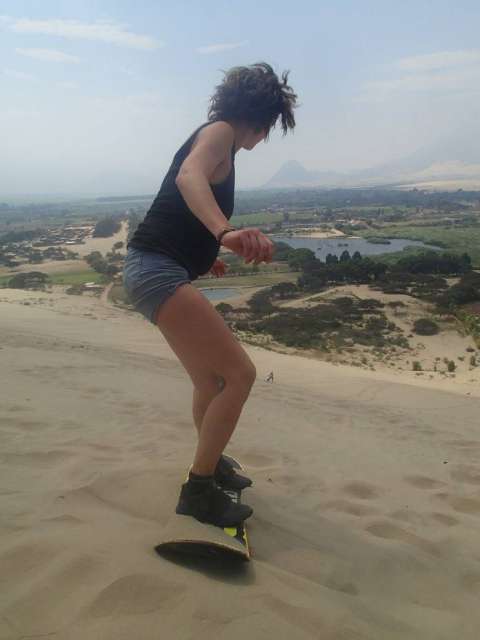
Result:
[[68, 85], [142, 104], [104, 31], [450, 73], [126, 71], [216, 48], [440, 60], [18, 75], [48, 55], [19, 113]]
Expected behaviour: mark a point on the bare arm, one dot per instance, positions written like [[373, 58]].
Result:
[[212, 147]]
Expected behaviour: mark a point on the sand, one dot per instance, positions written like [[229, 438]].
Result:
[[366, 492], [429, 351]]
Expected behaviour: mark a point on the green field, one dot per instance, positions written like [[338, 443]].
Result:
[[69, 278], [257, 219], [260, 280], [463, 240]]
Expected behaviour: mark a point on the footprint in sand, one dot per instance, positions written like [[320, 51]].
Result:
[[471, 581], [25, 560], [443, 518], [468, 474], [389, 531], [344, 506], [136, 593], [407, 515], [252, 460], [424, 482], [362, 490], [13, 408], [93, 391], [462, 504], [25, 425]]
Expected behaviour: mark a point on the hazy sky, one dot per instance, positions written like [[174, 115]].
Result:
[[96, 96]]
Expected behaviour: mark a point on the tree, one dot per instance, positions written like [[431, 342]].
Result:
[[28, 280], [106, 228], [284, 290], [260, 302], [298, 258]]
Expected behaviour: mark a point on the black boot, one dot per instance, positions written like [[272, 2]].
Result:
[[201, 498], [227, 478]]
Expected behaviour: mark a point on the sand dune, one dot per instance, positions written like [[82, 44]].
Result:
[[366, 492]]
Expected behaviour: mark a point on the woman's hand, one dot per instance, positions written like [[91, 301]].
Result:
[[218, 268], [250, 244]]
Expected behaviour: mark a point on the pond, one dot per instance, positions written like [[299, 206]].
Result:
[[219, 293], [336, 246]]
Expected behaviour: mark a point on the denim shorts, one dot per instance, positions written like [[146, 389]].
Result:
[[150, 278]]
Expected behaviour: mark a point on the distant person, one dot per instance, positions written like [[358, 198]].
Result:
[[179, 240]]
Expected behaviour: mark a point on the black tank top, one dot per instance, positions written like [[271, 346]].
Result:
[[171, 228]]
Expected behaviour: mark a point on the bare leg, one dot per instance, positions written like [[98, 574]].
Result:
[[207, 349], [201, 401], [218, 424]]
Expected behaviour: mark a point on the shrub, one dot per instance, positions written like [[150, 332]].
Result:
[[75, 290], [224, 308], [426, 327]]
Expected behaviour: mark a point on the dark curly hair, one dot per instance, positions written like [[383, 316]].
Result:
[[254, 95]]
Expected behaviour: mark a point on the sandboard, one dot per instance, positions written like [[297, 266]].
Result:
[[185, 534]]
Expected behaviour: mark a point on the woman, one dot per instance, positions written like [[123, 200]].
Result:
[[179, 240]]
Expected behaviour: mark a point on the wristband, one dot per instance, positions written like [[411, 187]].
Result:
[[223, 232]]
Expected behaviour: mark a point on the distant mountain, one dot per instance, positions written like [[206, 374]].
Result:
[[452, 159], [293, 174], [454, 156]]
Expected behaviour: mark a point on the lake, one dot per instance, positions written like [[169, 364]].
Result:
[[336, 246], [322, 247], [221, 292]]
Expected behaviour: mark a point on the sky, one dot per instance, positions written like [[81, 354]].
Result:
[[96, 96]]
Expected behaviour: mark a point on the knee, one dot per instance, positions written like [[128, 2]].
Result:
[[243, 377]]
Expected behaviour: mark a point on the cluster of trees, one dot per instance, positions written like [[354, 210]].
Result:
[[101, 265], [421, 275], [466, 290], [316, 275], [106, 227], [19, 236], [431, 262], [28, 280]]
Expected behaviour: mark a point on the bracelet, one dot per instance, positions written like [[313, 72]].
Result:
[[223, 232]]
